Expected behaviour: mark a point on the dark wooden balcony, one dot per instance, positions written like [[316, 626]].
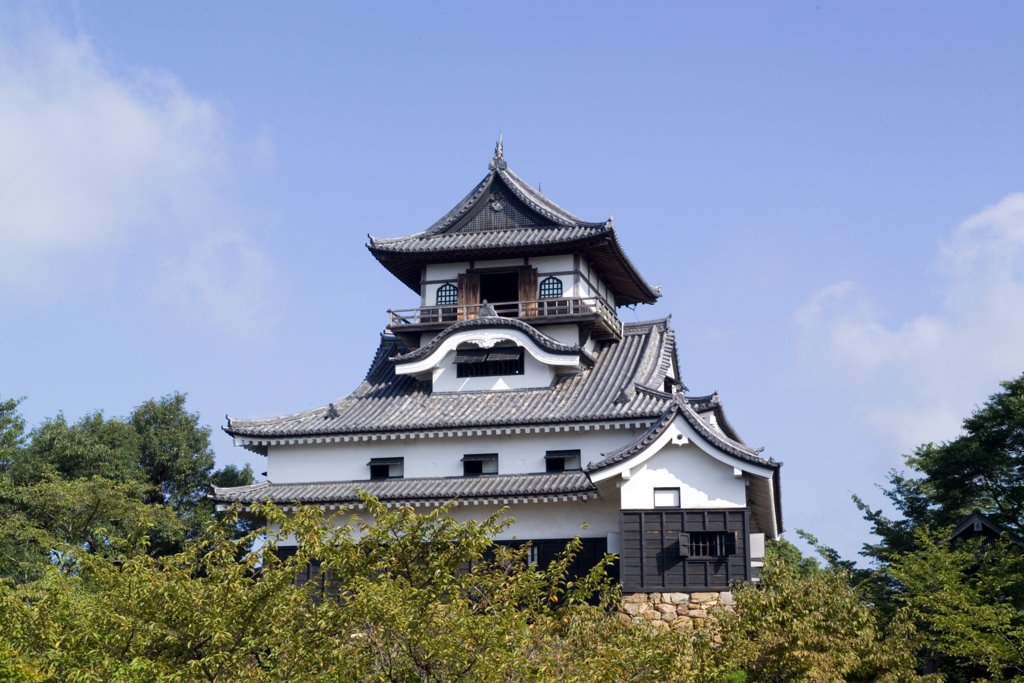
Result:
[[592, 311]]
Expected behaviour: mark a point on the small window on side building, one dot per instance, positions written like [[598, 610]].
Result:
[[387, 468], [666, 497], [562, 461], [711, 543], [476, 464]]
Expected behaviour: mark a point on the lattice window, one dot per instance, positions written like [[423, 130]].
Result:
[[447, 295], [712, 543], [550, 288]]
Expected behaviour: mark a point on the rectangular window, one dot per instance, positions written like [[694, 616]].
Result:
[[666, 498], [562, 461], [501, 360], [387, 468], [479, 463], [712, 543]]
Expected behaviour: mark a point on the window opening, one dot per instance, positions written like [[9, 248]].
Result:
[[666, 497], [501, 360], [447, 295], [387, 468], [497, 288], [476, 464], [562, 461], [712, 543], [550, 288]]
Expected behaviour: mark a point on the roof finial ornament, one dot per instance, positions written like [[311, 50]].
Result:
[[498, 162]]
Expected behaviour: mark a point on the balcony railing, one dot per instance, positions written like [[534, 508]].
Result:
[[568, 308]]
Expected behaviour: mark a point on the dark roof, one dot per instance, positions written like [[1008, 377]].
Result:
[[432, 489], [504, 216], [681, 405], [977, 525], [624, 383]]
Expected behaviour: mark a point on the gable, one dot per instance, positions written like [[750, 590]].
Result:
[[702, 481]]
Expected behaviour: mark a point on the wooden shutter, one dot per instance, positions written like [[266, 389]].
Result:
[[528, 291], [469, 294]]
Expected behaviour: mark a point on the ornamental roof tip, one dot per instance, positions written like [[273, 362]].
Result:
[[498, 161]]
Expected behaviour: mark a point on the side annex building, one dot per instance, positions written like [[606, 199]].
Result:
[[514, 383]]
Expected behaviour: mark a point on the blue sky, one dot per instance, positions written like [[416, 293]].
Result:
[[830, 194]]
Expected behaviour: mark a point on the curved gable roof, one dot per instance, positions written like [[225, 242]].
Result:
[[542, 340], [504, 216]]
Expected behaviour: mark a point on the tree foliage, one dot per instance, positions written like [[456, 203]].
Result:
[[967, 602], [409, 596], [983, 469], [81, 485], [964, 597], [805, 623]]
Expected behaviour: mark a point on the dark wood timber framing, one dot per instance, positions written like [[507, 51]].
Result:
[[684, 550]]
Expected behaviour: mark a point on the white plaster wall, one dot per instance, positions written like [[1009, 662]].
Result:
[[594, 286], [592, 518], [703, 481], [435, 457], [538, 521], [547, 265], [446, 271], [559, 266], [566, 334]]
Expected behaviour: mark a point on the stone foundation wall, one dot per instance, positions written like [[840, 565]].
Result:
[[673, 610]]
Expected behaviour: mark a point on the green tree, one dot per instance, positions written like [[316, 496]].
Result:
[[983, 469], [967, 600], [82, 484], [174, 451], [93, 446], [964, 598], [396, 596], [12, 431], [804, 623]]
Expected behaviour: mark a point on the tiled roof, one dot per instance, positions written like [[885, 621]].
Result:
[[681, 405], [504, 215], [624, 383], [430, 489]]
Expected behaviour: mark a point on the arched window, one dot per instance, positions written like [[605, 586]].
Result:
[[447, 295], [550, 288]]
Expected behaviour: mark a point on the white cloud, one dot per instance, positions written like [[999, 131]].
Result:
[[915, 381], [226, 274], [96, 156]]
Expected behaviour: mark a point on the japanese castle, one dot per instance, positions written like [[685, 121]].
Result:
[[513, 383]]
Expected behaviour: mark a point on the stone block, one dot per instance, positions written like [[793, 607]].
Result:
[[701, 598], [675, 598], [725, 598]]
